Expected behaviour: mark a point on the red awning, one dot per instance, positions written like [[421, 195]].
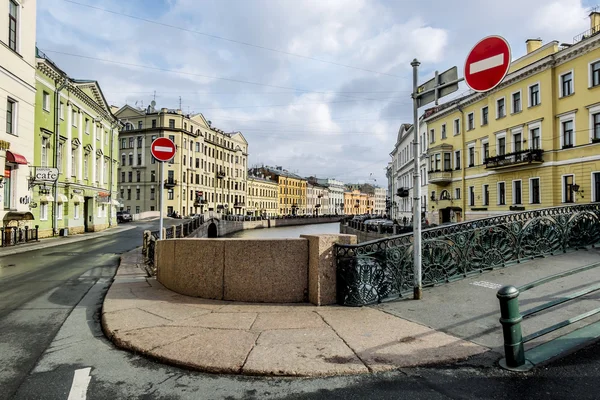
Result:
[[15, 158]]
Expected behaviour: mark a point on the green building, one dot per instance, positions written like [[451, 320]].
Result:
[[75, 132]]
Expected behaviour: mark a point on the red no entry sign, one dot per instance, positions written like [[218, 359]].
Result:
[[163, 149], [487, 64]]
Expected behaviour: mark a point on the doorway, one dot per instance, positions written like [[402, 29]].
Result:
[[212, 230], [445, 215], [87, 216]]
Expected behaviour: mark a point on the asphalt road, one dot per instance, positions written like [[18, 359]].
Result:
[[50, 302]]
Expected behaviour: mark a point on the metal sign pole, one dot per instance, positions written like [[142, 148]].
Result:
[[162, 189], [417, 293]]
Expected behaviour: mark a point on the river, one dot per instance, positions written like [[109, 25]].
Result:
[[287, 232]]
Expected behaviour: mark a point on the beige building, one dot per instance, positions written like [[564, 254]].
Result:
[[317, 198], [356, 202], [292, 189], [262, 197], [380, 196], [208, 172], [17, 104]]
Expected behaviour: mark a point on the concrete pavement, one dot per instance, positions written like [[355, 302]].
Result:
[[141, 315]]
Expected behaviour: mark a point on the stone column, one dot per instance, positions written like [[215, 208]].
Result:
[[93, 155]]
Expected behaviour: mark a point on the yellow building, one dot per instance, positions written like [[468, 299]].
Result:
[[356, 202], [532, 142], [291, 189], [262, 197]]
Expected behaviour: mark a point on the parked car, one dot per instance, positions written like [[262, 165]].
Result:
[[124, 216]]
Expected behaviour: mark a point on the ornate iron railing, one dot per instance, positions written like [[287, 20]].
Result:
[[518, 157], [374, 271]]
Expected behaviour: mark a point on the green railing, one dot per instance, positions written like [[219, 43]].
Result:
[[510, 317]]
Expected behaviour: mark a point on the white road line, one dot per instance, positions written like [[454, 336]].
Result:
[[486, 63], [81, 380], [163, 148]]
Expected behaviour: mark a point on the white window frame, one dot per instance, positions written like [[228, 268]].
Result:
[[18, 32], [457, 193], [471, 190], [461, 160], [431, 137], [592, 184], [514, 200], [501, 135], [15, 113], [483, 195], [531, 190], [592, 111], [514, 132], [444, 132], [560, 85], [498, 193], [86, 123], [483, 141], [563, 188], [471, 114], [59, 210], [44, 151], [488, 115], [43, 211], [76, 211], [512, 102], [46, 101], [497, 108], [529, 94], [530, 127], [469, 146], [564, 118], [61, 110], [74, 118], [590, 73], [454, 125]]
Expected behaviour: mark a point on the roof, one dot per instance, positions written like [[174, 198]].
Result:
[[282, 172]]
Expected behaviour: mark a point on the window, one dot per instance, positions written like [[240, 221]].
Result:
[[486, 195], [535, 141], [501, 146], [45, 144], [152, 176], [471, 195], [534, 95], [568, 189], [73, 164], [457, 159], [43, 211], [59, 157], [566, 84], [87, 126], [484, 116], [128, 194], [443, 131], [131, 142], [457, 193], [74, 118], [154, 123], [46, 101], [447, 162], [170, 194], [139, 159], [11, 114], [471, 156], [567, 133], [501, 193], [59, 211], [137, 194], [130, 159], [500, 108], [457, 127], [130, 176], [516, 102], [172, 123], [596, 187], [517, 141], [172, 137], [139, 142], [61, 110], [76, 210], [595, 73], [438, 160], [123, 159], [485, 149], [596, 126], [470, 121], [98, 161], [13, 16], [123, 143], [516, 187], [86, 163], [140, 125], [122, 176], [138, 176], [431, 140], [534, 190]]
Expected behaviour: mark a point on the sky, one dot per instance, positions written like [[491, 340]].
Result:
[[319, 87]]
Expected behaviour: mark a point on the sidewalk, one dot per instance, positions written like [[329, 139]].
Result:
[[58, 241], [140, 315]]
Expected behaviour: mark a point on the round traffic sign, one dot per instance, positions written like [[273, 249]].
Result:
[[487, 63], [163, 149]]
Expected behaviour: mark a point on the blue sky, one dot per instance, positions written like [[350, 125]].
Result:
[[303, 111]]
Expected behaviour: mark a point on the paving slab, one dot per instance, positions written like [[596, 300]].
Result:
[[288, 320]]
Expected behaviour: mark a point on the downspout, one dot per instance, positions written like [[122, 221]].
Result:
[[56, 134], [110, 176]]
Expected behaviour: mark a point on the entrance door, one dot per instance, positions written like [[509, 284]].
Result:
[[445, 215], [87, 216]]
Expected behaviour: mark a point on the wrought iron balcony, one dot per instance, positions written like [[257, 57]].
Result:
[[402, 192], [221, 174], [170, 183], [530, 156], [239, 205], [587, 34], [441, 177]]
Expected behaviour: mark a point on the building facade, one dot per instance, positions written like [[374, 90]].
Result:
[[207, 173], [380, 196], [317, 198], [357, 203], [262, 197], [291, 189], [17, 108], [76, 133], [336, 194], [532, 142]]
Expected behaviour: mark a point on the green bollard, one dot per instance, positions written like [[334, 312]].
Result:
[[510, 318]]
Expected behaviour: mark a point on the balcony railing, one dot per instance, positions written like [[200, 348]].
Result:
[[440, 176], [587, 34], [169, 183], [530, 156], [221, 174], [402, 192], [239, 205]]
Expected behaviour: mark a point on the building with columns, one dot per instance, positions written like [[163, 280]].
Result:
[[76, 133], [17, 108], [336, 194], [208, 172]]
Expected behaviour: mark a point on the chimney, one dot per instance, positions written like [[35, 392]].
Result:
[[595, 21], [533, 45]]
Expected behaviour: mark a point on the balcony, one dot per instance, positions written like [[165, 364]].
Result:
[[402, 192], [440, 177], [530, 156], [239, 205], [170, 183], [221, 174]]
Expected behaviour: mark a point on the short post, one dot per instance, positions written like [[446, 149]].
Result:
[[510, 318], [174, 229], [37, 231], [26, 233]]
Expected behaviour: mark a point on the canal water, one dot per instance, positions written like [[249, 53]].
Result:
[[287, 232]]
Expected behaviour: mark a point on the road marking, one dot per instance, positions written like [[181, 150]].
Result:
[[489, 285], [487, 63], [163, 148], [81, 380]]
